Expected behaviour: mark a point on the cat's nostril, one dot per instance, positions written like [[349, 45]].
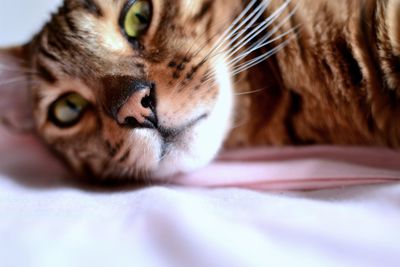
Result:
[[150, 122], [131, 122], [148, 102], [139, 110]]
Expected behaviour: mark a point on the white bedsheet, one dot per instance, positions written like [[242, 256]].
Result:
[[47, 221], [161, 226]]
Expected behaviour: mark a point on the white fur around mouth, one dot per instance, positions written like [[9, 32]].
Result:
[[199, 144]]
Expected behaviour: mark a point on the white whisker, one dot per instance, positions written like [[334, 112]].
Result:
[[17, 80], [259, 45], [261, 28], [240, 36], [222, 22], [250, 92], [237, 31], [261, 58], [180, 82], [14, 80], [4, 68], [257, 13], [232, 29], [239, 124]]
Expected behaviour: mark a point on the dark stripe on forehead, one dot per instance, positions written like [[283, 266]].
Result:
[[55, 36], [89, 6], [48, 54], [45, 73], [70, 23], [92, 7]]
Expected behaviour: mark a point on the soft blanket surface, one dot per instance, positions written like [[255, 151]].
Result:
[[47, 221]]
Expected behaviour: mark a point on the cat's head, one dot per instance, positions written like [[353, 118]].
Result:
[[126, 88], [136, 88]]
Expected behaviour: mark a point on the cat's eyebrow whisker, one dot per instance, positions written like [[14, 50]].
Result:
[[260, 29]]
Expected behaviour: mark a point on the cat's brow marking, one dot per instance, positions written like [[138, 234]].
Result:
[[46, 74], [92, 7], [48, 54]]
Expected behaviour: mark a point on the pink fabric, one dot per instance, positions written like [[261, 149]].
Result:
[[25, 160], [303, 168]]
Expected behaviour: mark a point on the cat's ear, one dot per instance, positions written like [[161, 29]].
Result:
[[15, 98]]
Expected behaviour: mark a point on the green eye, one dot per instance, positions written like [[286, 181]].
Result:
[[137, 18], [68, 110]]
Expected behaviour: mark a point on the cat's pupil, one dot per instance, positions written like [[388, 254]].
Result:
[[136, 19], [142, 19], [72, 106]]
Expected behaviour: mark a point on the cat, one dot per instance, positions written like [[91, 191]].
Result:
[[147, 89]]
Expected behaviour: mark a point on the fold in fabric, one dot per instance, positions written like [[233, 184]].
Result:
[[302, 168]]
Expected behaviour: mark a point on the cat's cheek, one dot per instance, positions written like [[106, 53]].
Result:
[[200, 144]]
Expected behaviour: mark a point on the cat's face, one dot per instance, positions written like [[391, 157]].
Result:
[[129, 89]]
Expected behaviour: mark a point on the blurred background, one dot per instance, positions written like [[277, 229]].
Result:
[[20, 19]]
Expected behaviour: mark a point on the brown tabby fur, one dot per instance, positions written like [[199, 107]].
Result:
[[336, 82]]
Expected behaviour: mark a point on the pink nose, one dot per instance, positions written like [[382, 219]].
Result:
[[138, 110]]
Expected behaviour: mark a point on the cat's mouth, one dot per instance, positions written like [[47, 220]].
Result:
[[160, 145], [170, 136]]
